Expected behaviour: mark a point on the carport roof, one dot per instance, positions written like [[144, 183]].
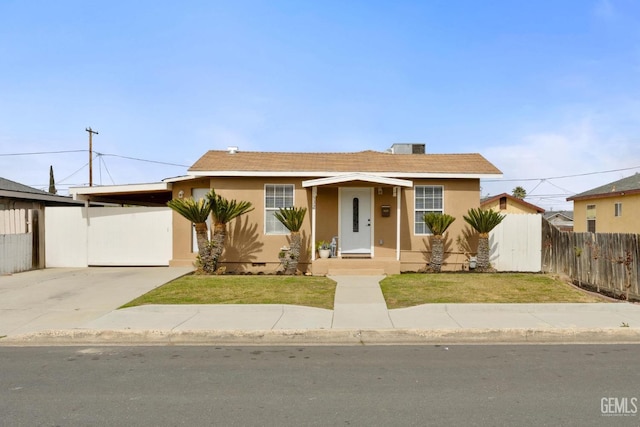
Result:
[[151, 194]]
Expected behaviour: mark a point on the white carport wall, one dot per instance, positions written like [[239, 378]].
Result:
[[351, 177]]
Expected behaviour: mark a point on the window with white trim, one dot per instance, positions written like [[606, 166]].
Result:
[[591, 218], [276, 196], [427, 198], [618, 209]]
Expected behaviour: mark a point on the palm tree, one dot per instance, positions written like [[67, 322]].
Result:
[[519, 192], [292, 219], [197, 211], [438, 224], [223, 211], [483, 221]]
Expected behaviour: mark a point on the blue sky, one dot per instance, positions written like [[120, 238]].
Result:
[[542, 89]]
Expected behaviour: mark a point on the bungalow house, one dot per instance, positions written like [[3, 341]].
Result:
[[506, 203], [370, 204], [562, 220], [610, 208]]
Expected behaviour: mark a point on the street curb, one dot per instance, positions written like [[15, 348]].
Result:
[[326, 337]]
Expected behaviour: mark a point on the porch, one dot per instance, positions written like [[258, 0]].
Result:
[[366, 212], [346, 266]]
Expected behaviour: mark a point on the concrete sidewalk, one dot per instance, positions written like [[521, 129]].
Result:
[[360, 316]]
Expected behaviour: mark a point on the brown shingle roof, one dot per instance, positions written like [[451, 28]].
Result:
[[628, 185], [363, 161]]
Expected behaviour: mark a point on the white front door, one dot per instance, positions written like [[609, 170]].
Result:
[[355, 220]]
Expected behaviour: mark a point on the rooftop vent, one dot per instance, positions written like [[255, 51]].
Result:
[[408, 149], [232, 150]]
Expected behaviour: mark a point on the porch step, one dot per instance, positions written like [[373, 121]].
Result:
[[355, 272], [353, 267]]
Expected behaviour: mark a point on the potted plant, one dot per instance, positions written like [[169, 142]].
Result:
[[324, 249]]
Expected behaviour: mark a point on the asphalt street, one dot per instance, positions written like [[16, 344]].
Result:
[[481, 385]]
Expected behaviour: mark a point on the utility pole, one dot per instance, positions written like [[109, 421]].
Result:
[[91, 132]]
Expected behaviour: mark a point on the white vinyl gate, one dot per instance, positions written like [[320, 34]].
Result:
[[108, 236], [516, 244]]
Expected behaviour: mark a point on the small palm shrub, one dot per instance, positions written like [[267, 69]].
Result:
[[292, 219], [483, 221], [438, 224]]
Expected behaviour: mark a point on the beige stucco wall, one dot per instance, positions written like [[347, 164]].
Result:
[[606, 221], [459, 196], [249, 249]]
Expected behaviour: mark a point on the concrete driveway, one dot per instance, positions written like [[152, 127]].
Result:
[[62, 298]]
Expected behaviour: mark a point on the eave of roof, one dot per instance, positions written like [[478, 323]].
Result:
[[314, 174], [602, 195], [120, 189], [338, 179], [42, 197]]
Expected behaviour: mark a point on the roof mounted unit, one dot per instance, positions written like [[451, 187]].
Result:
[[232, 150], [408, 148]]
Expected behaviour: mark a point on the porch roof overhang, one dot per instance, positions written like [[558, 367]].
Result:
[[351, 177]]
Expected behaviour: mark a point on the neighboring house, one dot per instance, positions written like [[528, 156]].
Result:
[[562, 220], [610, 208], [370, 203], [506, 203], [14, 195], [29, 203]]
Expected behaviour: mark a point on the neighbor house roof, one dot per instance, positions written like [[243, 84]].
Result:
[[491, 199], [628, 185], [8, 185], [14, 190], [253, 163], [565, 214]]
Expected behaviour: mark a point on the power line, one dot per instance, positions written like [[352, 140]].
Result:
[[561, 177], [41, 152], [144, 160], [37, 153], [64, 179]]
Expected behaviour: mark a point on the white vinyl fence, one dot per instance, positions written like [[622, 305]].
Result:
[[108, 236], [516, 244]]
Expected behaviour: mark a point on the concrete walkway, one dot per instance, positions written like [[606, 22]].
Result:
[[78, 306], [359, 303]]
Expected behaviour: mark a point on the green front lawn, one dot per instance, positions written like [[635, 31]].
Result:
[[407, 290], [404, 290], [256, 289]]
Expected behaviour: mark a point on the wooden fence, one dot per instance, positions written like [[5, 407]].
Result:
[[608, 263]]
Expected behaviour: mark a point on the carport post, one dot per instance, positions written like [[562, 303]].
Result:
[[398, 192], [314, 195]]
